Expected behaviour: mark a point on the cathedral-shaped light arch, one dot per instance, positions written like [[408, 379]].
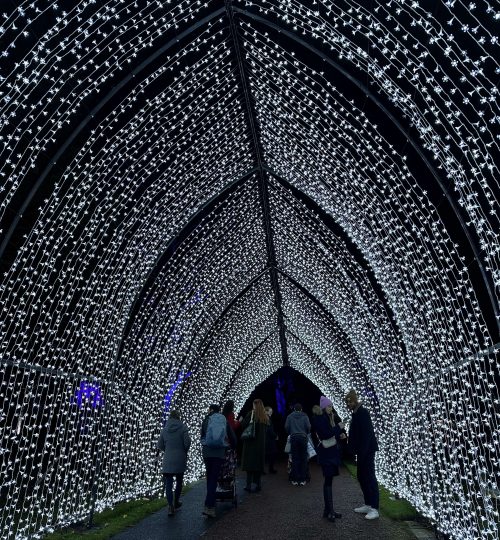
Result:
[[194, 194]]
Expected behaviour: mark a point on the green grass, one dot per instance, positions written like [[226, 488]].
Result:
[[397, 509], [113, 520]]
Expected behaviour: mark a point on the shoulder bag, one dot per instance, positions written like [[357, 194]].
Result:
[[249, 431]]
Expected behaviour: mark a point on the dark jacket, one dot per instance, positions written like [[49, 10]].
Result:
[[209, 452], [324, 430], [174, 441], [297, 422], [362, 440], [271, 447], [253, 457]]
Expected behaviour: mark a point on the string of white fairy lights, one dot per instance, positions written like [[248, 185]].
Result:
[[69, 293], [70, 406], [441, 73], [71, 56], [324, 145], [352, 334]]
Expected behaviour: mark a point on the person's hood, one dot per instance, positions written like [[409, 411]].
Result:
[[297, 414], [173, 425], [317, 410]]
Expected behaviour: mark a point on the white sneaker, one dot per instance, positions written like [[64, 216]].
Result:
[[372, 514], [363, 509]]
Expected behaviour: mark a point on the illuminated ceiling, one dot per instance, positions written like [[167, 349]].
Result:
[[195, 194]]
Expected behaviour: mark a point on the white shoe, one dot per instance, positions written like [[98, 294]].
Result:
[[372, 514], [363, 509]]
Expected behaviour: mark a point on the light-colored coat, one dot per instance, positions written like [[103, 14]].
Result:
[[174, 441]]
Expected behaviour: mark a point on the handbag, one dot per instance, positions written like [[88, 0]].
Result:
[[311, 452], [288, 445], [328, 443], [249, 431]]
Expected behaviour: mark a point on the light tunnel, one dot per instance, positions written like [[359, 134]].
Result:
[[195, 194]]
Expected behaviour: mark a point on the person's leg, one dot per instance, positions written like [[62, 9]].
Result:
[[371, 482], [362, 480], [178, 490], [303, 459], [215, 467], [295, 453], [336, 515], [256, 479], [169, 481], [327, 483], [270, 462], [208, 467], [248, 486], [212, 483], [362, 477]]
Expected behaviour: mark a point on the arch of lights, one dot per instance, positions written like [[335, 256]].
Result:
[[138, 244]]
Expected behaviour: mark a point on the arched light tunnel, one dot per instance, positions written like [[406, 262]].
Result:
[[194, 195]]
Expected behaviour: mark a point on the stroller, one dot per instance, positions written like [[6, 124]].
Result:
[[226, 484]]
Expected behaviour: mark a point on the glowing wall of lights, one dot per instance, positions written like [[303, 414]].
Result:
[[439, 69], [153, 157]]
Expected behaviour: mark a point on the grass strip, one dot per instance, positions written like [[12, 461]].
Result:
[[114, 520], [396, 509]]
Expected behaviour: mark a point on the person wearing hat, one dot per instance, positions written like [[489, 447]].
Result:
[[328, 434], [363, 443], [216, 436]]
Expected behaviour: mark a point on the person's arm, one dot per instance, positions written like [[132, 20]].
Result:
[[308, 424], [323, 429], [365, 432], [204, 428]]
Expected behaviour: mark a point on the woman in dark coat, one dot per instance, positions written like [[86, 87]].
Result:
[[324, 426], [253, 458]]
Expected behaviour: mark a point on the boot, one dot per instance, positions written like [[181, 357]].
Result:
[[248, 487], [332, 515], [326, 511], [258, 485], [171, 510]]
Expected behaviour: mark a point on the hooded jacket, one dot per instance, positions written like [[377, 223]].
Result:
[[297, 423], [175, 442]]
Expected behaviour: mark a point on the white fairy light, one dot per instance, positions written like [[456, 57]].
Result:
[[107, 323]]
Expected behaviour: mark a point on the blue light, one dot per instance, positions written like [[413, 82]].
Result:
[[170, 394], [88, 394]]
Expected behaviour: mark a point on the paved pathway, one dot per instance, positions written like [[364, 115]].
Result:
[[280, 511]]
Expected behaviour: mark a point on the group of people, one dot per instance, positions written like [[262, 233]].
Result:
[[219, 440]]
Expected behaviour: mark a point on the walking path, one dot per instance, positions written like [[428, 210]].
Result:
[[279, 511]]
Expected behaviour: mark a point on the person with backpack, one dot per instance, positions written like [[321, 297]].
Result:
[[298, 426], [254, 447], [174, 442], [216, 437]]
